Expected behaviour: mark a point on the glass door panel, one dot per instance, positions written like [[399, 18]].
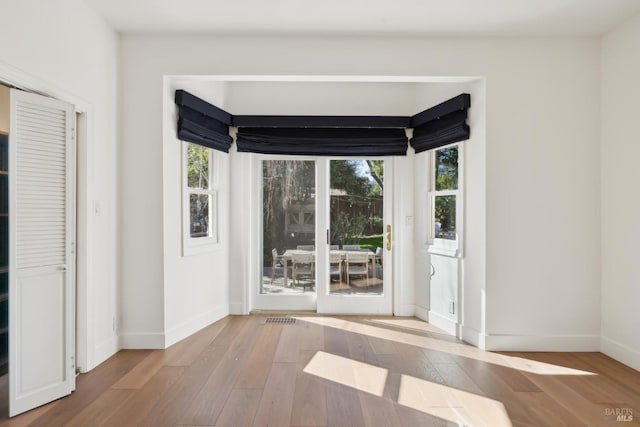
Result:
[[356, 204], [288, 227], [324, 235], [357, 264]]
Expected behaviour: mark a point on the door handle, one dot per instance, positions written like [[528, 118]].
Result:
[[388, 237]]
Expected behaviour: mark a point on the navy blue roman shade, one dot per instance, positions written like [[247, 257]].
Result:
[[323, 141], [202, 123], [443, 124]]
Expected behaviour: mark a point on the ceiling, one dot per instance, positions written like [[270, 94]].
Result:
[[366, 17]]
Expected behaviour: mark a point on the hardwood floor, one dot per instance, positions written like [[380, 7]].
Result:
[[342, 371]]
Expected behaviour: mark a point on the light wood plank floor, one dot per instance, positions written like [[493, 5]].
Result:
[[342, 371]]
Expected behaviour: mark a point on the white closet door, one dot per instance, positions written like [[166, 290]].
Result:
[[41, 255]]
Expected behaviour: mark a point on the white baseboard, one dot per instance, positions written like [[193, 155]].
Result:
[[473, 337], [542, 342], [622, 353], [105, 350], [194, 324], [443, 323], [237, 308], [406, 310], [422, 313], [142, 340]]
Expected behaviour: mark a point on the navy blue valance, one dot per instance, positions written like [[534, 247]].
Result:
[[323, 141], [443, 124], [202, 123]]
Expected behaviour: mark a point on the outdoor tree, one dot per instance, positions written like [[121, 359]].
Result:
[[287, 183], [197, 166], [376, 168]]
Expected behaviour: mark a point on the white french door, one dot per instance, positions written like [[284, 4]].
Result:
[[41, 255], [355, 261], [323, 235]]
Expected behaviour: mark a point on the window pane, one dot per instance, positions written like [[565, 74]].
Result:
[[447, 169], [356, 227], [199, 214], [288, 224], [445, 217], [197, 167]]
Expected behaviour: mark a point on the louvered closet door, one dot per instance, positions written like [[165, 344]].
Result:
[[41, 258]]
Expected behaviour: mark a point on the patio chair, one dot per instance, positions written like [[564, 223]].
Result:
[[378, 262], [303, 265], [277, 264], [357, 264], [335, 266]]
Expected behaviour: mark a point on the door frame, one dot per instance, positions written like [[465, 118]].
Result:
[[85, 176], [257, 301], [62, 272], [346, 304]]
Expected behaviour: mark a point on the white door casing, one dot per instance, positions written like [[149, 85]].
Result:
[[41, 250], [321, 300], [356, 304]]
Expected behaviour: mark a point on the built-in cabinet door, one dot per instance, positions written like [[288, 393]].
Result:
[[41, 254], [444, 290]]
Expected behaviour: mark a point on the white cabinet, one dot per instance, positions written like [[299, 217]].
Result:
[[444, 292]]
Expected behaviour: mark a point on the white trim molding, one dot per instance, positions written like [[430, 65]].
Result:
[[444, 323], [105, 350], [620, 352], [542, 342], [194, 324], [404, 310], [422, 313], [237, 308], [473, 337], [142, 341]]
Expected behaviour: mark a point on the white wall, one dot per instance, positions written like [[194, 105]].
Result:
[[542, 271], [196, 287], [322, 98], [65, 48], [620, 203], [462, 282]]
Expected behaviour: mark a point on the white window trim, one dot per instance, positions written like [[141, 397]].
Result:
[[452, 248], [200, 245]]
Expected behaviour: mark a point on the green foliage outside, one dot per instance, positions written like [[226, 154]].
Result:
[[446, 179], [351, 215], [292, 182], [197, 166], [447, 169], [372, 242]]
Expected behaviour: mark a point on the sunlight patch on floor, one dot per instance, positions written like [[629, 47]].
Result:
[[454, 348], [414, 324], [453, 405], [361, 376], [447, 403]]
